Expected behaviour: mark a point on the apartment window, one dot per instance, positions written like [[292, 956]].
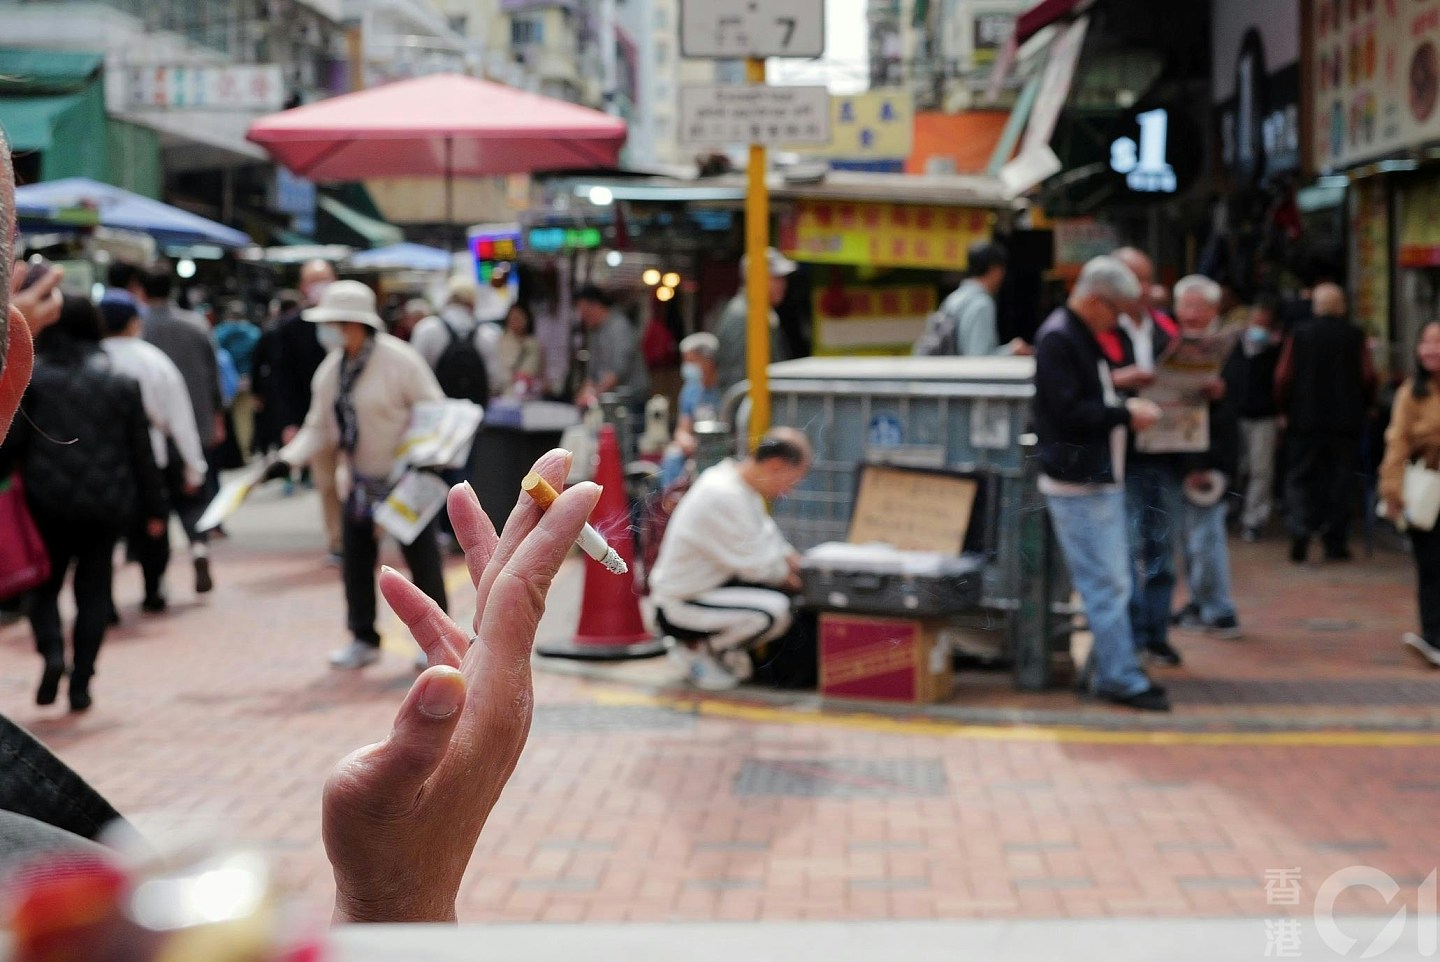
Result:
[[527, 31]]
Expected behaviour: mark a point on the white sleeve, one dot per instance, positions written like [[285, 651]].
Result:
[[728, 534], [179, 414], [430, 338]]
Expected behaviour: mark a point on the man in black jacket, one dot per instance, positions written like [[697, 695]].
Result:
[[1250, 383], [1081, 423], [1326, 383], [1207, 478]]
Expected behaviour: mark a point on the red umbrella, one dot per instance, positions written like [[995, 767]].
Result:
[[445, 125]]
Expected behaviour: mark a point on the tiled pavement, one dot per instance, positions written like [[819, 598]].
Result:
[[635, 806]]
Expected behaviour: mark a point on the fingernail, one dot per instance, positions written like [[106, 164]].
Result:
[[386, 569], [442, 695], [470, 489]]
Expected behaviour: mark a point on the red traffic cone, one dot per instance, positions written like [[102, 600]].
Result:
[[610, 622]]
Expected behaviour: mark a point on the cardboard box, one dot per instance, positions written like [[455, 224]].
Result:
[[889, 659]]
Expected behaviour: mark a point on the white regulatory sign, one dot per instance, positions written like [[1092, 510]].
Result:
[[711, 116], [724, 29]]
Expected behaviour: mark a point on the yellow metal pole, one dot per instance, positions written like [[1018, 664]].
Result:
[[757, 278]]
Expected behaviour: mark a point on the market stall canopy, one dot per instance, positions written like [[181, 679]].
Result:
[[56, 200], [402, 257], [443, 125]]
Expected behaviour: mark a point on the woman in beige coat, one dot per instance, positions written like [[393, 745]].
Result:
[[1414, 435]]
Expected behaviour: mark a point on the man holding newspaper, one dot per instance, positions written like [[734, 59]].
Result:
[[377, 404]]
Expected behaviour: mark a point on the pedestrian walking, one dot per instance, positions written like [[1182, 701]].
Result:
[[183, 337], [1325, 383], [1081, 422], [1414, 436], [1152, 480], [365, 392], [238, 336], [616, 362], [295, 357], [1250, 383], [84, 495], [1207, 477], [966, 322], [174, 439]]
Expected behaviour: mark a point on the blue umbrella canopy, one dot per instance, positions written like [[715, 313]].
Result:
[[123, 210], [412, 257]]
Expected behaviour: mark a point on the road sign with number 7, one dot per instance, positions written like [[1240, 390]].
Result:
[[738, 29]]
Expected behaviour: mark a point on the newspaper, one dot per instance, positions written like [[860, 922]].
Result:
[[1181, 374], [439, 435], [412, 504]]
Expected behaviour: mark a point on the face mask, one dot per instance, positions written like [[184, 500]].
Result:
[[330, 336], [691, 372]]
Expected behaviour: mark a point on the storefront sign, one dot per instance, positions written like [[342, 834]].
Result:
[[1370, 255], [716, 115], [1418, 208], [1144, 165], [886, 235], [551, 240], [251, 88], [876, 125], [488, 246], [858, 319], [991, 32], [1376, 78]]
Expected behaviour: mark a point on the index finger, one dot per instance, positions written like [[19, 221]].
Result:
[[553, 466]]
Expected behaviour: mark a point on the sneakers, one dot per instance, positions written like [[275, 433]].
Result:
[[1153, 698], [356, 655], [738, 663], [700, 668], [203, 583], [1423, 648], [49, 684], [1188, 619]]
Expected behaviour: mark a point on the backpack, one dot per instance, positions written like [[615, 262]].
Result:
[[938, 339], [461, 370]]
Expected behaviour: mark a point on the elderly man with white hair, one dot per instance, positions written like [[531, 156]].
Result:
[[699, 401], [1207, 477], [1081, 423]]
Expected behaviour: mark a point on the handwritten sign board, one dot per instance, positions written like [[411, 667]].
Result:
[[716, 115], [913, 510], [736, 29]]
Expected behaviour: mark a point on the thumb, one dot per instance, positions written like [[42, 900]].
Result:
[[398, 767]]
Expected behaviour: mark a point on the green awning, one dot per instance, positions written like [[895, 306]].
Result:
[[376, 233], [30, 71], [29, 122]]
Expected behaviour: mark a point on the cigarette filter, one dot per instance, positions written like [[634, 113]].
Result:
[[590, 541]]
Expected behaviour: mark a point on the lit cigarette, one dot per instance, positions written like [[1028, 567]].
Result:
[[590, 541]]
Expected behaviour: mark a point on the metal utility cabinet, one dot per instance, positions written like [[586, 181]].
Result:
[[956, 413]]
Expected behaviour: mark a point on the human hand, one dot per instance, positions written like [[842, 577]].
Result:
[[1019, 347], [287, 434], [794, 584], [219, 428], [192, 488], [1214, 389], [155, 528], [1132, 378], [1196, 480], [401, 818], [1144, 413], [41, 301], [1394, 507]]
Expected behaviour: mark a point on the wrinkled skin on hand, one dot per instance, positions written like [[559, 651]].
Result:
[[401, 817]]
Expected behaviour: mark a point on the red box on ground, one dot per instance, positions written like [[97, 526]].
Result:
[[892, 659]]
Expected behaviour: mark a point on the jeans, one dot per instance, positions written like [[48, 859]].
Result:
[[1427, 571], [1257, 465], [1152, 510], [1207, 561], [91, 549], [1091, 532], [361, 553], [1320, 487]]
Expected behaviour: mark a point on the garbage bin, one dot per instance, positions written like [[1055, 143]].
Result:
[[956, 413]]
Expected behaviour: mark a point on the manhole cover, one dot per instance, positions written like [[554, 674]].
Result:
[[1331, 624], [842, 777], [588, 719]]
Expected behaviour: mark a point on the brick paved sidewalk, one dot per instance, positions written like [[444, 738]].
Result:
[[625, 807]]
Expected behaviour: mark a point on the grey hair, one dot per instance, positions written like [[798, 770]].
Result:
[[704, 343], [1108, 276], [1207, 289]]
